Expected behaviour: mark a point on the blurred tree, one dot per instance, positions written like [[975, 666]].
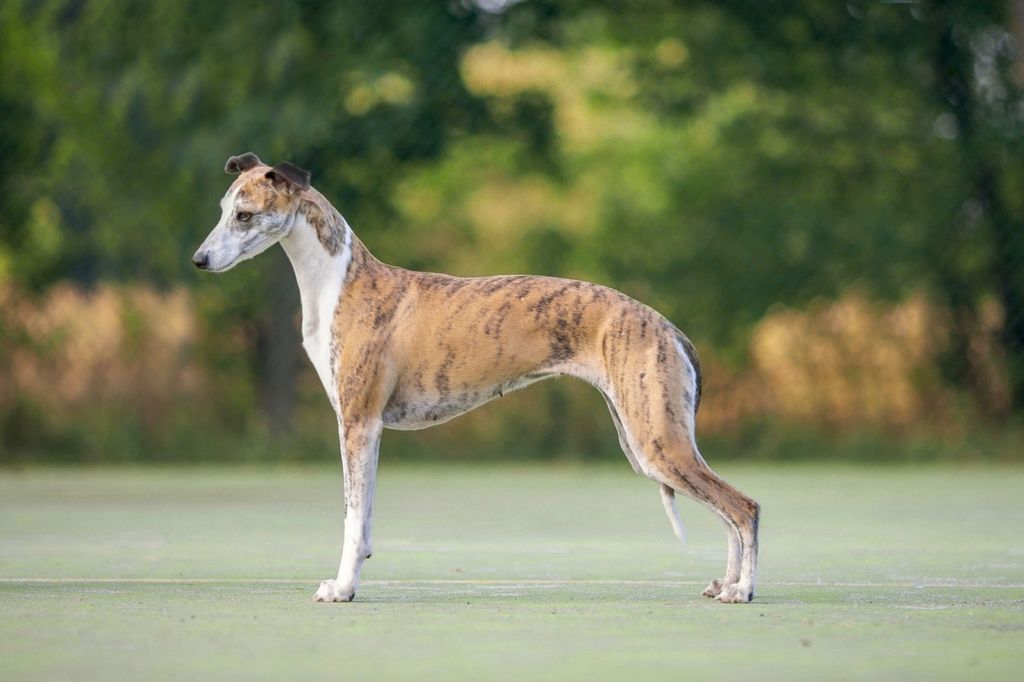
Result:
[[804, 148], [973, 57], [119, 114], [956, 60], [712, 158]]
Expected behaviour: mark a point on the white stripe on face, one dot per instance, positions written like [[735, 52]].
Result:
[[225, 246]]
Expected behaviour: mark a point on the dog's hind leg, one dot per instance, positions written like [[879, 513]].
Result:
[[732, 567], [677, 464], [360, 445], [667, 493], [623, 437], [694, 478], [654, 397]]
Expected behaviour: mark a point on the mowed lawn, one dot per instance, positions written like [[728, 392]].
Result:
[[508, 572]]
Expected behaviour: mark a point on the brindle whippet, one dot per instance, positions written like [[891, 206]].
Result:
[[408, 350]]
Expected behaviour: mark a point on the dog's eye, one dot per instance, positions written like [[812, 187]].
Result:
[[243, 215]]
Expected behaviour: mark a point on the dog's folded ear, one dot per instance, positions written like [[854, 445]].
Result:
[[241, 163], [286, 173]]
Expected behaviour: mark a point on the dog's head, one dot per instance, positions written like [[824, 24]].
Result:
[[256, 213]]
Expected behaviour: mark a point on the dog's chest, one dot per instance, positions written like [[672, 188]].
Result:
[[318, 334], [318, 348]]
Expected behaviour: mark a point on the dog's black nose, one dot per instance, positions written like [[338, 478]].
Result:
[[201, 260]]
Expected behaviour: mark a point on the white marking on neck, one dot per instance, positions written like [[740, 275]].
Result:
[[691, 375], [321, 279]]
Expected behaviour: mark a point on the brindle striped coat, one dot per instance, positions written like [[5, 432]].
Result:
[[406, 350]]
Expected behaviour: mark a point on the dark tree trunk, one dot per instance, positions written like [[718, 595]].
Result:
[[988, 214], [1009, 236], [279, 344], [1006, 268]]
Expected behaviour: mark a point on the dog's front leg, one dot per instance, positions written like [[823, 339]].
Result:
[[360, 442]]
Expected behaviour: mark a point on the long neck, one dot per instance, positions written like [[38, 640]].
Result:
[[325, 254]]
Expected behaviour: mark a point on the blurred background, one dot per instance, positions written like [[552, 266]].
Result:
[[828, 197]]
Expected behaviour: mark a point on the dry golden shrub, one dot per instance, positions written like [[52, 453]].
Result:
[[729, 398], [842, 364], [845, 364], [122, 345]]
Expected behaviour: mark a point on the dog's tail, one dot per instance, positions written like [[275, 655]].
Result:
[[668, 498]]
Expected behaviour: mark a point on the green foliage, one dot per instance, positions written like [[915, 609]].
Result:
[[137, 105], [715, 159]]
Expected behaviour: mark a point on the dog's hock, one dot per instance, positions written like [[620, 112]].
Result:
[[241, 163], [288, 174]]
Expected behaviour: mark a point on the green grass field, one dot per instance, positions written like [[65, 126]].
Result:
[[533, 572]]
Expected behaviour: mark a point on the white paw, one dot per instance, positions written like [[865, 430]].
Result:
[[334, 591], [737, 593], [714, 588]]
